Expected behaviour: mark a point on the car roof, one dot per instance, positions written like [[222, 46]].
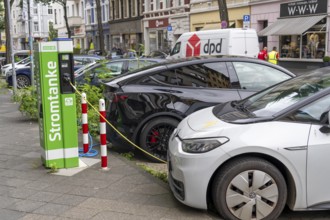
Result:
[[89, 56], [192, 61]]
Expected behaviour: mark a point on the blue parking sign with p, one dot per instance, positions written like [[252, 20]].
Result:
[[246, 17]]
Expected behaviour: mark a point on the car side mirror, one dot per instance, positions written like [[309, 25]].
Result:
[[325, 119]]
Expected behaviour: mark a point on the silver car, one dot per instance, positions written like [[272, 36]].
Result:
[[250, 158]]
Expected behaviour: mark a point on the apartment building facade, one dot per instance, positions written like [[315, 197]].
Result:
[[41, 15], [163, 22]]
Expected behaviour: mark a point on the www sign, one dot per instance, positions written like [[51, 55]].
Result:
[[308, 7]]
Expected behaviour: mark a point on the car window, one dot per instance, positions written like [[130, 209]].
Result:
[[192, 76], [176, 48], [115, 67], [166, 78], [314, 112], [254, 76], [217, 75], [137, 64]]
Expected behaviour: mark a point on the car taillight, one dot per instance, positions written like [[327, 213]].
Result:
[[118, 98]]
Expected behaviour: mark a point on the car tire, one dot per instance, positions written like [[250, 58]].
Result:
[[249, 188], [155, 136], [22, 81]]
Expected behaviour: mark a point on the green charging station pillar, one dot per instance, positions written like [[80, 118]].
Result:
[[56, 103]]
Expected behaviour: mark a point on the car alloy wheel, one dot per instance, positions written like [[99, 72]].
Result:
[[249, 189], [22, 81], [155, 136]]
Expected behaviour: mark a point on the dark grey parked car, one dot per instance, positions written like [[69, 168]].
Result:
[[147, 105]]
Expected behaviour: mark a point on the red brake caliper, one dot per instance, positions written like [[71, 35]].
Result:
[[153, 138]]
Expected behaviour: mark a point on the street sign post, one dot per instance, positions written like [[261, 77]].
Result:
[[246, 21]]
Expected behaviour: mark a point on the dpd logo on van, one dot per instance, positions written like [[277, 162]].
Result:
[[193, 46]]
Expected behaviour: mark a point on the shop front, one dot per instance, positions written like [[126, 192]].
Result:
[[299, 31], [156, 37], [126, 35]]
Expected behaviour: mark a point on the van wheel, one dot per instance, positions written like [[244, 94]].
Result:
[[249, 188], [22, 81], [155, 136]]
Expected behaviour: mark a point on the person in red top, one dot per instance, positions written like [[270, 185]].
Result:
[[262, 55]]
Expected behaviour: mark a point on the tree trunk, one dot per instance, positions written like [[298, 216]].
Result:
[[8, 35], [66, 19], [100, 26], [223, 11]]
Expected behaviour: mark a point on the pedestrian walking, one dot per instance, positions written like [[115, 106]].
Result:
[[273, 56], [262, 55]]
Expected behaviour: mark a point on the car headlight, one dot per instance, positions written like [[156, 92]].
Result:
[[202, 145]]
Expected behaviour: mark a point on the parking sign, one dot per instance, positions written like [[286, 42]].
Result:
[[246, 18], [246, 21]]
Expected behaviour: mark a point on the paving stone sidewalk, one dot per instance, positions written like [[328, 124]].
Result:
[[29, 191]]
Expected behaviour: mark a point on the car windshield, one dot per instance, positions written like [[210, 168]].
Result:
[[275, 99]]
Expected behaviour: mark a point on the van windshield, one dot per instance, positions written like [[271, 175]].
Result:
[[176, 48]]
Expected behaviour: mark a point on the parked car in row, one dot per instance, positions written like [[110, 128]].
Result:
[[111, 68], [20, 64], [91, 70], [250, 158], [23, 77], [147, 105]]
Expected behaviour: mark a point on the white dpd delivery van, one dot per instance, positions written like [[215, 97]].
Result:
[[231, 41]]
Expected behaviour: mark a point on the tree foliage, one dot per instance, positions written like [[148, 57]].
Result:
[[2, 18], [52, 32]]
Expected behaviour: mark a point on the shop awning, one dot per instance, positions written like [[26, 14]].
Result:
[[291, 26]]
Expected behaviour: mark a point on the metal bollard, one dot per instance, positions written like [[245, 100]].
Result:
[[84, 122], [103, 139]]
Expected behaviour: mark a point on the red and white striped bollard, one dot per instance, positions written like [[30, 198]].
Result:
[[103, 139], [84, 122]]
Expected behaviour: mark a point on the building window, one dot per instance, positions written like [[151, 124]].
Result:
[[309, 45], [92, 16], [55, 16], [82, 10], [72, 10], [103, 13], [134, 8], [60, 16], [77, 9], [125, 8], [116, 10], [89, 19], [50, 10], [35, 26], [111, 10], [107, 12], [35, 10]]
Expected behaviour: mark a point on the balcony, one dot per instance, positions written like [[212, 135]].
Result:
[[75, 21]]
